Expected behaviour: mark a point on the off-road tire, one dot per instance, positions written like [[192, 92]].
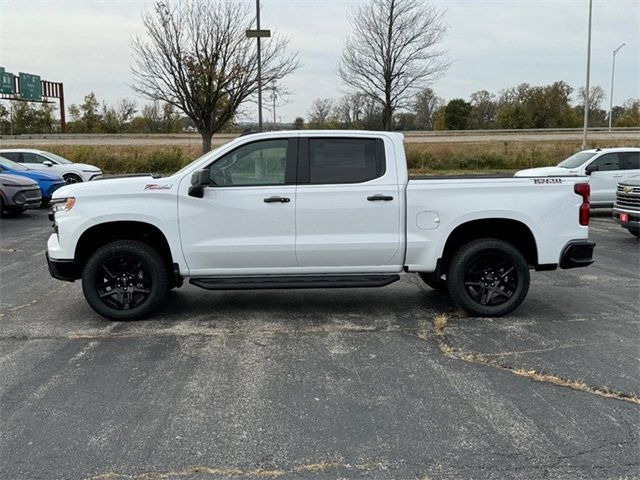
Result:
[[152, 273], [470, 259]]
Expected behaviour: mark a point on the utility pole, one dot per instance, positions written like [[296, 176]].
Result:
[[613, 72], [587, 92], [274, 97], [258, 34]]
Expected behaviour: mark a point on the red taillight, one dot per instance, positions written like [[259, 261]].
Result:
[[583, 190]]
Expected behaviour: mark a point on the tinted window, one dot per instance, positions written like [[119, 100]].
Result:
[[14, 156], [630, 160], [336, 160], [258, 163], [609, 161]]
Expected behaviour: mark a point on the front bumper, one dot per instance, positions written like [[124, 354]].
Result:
[[61, 269], [576, 254], [633, 221]]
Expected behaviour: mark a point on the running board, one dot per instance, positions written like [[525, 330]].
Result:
[[293, 281]]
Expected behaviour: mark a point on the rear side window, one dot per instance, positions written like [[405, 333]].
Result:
[[15, 156], [630, 160], [609, 161], [345, 160]]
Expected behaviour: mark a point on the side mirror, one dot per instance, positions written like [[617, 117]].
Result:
[[199, 180], [47, 163], [590, 169]]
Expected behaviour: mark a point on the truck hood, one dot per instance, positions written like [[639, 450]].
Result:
[[117, 186], [546, 172]]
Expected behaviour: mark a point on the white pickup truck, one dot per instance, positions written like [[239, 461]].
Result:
[[314, 209]]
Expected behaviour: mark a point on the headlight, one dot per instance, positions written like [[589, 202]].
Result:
[[91, 171], [15, 185], [62, 204]]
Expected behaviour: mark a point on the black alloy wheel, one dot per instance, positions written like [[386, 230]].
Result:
[[123, 282], [488, 277]]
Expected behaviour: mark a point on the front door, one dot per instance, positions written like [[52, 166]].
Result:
[[347, 207], [606, 172], [245, 223]]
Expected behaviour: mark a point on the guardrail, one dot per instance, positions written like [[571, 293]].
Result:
[[412, 133]]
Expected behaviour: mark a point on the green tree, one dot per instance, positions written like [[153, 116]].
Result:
[[298, 123], [405, 121], [457, 114], [33, 118], [631, 115], [86, 117]]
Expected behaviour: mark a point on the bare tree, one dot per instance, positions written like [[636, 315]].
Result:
[[390, 55], [196, 57], [320, 112], [425, 105]]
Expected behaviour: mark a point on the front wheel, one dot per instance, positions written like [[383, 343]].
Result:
[[71, 178], [488, 277], [125, 280], [634, 231]]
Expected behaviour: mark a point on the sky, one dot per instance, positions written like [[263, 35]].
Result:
[[491, 45]]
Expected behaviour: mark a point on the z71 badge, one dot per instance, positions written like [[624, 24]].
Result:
[[539, 181], [158, 186]]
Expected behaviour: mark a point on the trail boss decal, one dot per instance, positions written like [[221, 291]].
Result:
[[538, 181], [158, 186]]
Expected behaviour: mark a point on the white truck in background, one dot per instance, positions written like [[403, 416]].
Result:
[[314, 209]]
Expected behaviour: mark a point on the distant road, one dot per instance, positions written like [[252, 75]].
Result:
[[410, 137]]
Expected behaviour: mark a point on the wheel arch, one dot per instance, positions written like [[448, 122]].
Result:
[[509, 230], [98, 235]]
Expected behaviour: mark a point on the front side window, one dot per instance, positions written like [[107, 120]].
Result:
[[257, 163], [28, 157], [609, 161], [576, 159], [343, 160]]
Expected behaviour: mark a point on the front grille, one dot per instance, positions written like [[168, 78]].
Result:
[[628, 200], [631, 189], [28, 197]]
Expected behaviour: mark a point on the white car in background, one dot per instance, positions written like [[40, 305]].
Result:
[[605, 166], [50, 162]]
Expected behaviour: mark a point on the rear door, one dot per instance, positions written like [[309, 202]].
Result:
[[347, 206], [245, 224]]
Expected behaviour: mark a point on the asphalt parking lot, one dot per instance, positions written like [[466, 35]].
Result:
[[361, 383]]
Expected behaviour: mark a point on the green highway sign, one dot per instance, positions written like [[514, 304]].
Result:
[[30, 86], [258, 33], [6, 82]]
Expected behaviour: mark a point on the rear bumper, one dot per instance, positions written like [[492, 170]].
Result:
[[576, 254], [62, 269]]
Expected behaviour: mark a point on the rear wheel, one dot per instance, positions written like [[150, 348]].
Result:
[[488, 277], [436, 282], [125, 280]]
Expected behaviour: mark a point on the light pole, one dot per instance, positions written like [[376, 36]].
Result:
[[587, 93], [613, 72], [258, 34]]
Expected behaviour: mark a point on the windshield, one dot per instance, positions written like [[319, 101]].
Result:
[[576, 159], [6, 163], [55, 157]]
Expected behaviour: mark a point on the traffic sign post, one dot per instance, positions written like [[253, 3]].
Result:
[[31, 88]]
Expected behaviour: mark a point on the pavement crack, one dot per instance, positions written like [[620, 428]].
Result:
[[438, 331], [234, 472]]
